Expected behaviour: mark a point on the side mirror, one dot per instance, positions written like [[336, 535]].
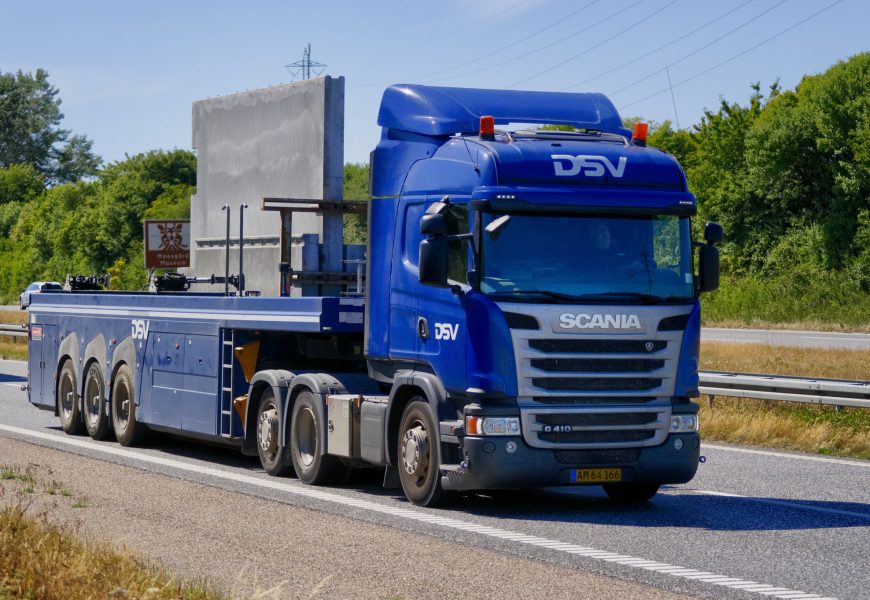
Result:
[[494, 229], [708, 268], [433, 224], [714, 234], [433, 261]]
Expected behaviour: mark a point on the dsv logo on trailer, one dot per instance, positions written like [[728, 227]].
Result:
[[583, 321], [590, 165]]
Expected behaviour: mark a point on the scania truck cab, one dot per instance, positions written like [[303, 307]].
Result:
[[545, 279]]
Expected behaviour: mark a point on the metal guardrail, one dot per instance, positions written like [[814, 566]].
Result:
[[14, 330], [830, 392]]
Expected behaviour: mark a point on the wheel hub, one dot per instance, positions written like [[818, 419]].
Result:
[[415, 451], [267, 432]]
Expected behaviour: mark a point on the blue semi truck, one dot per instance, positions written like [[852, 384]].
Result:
[[529, 317]]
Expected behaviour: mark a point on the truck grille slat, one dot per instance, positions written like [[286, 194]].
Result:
[[593, 365], [580, 346], [596, 384], [597, 437], [583, 392]]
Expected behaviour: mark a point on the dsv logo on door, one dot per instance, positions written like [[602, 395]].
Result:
[[446, 331], [590, 165]]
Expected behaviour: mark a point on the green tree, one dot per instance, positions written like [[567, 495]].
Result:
[[356, 187], [30, 131]]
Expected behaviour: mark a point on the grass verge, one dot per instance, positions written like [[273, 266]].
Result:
[[821, 301], [43, 560], [13, 348], [787, 425]]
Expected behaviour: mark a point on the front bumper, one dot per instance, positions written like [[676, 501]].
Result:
[[490, 466]]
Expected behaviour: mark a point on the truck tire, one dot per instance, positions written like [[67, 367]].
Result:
[[631, 492], [269, 448], [123, 407], [97, 422], [68, 399], [312, 465], [419, 456]]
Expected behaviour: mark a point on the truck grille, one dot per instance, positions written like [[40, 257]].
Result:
[[588, 391]]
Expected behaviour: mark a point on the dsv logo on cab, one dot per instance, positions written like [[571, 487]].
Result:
[[590, 165]]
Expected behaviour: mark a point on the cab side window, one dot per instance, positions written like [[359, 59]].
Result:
[[457, 251]]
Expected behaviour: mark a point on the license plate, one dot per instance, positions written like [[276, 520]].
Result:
[[595, 475]]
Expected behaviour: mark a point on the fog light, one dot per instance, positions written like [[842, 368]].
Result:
[[678, 444], [684, 423], [511, 447]]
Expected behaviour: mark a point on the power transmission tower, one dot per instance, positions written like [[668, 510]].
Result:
[[302, 69]]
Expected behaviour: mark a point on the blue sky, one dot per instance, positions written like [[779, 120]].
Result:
[[129, 71]]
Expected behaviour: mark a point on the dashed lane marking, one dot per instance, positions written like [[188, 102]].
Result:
[[425, 517]]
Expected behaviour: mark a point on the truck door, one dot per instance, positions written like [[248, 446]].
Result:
[[443, 345], [167, 378], [405, 283], [42, 359], [200, 401]]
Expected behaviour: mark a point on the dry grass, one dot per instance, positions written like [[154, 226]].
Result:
[[782, 360], [44, 560], [819, 430], [13, 316], [808, 428], [14, 348]]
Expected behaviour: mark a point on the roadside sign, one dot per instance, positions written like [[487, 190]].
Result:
[[167, 244]]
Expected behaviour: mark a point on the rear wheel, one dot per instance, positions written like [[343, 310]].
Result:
[[96, 418], [68, 400], [128, 431], [269, 448], [419, 458], [312, 465], [631, 492]]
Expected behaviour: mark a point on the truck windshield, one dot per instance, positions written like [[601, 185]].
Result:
[[589, 259]]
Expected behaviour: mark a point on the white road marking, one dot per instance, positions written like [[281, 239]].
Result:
[[838, 461], [421, 516]]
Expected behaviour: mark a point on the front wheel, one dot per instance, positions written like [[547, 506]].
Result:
[[631, 492], [419, 456], [68, 400]]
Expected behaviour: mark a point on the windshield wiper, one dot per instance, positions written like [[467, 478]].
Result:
[[515, 294], [640, 297]]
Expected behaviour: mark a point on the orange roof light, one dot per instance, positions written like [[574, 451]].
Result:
[[487, 127], [638, 136]]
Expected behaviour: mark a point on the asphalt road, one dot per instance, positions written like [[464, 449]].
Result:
[[752, 524], [775, 337]]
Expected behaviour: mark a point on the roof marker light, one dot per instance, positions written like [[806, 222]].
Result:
[[487, 128], [638, 135]]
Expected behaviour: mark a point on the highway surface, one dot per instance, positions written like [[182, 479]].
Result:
[[752, 524], [781, 337]]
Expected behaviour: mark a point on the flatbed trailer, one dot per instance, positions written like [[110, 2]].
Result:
[[530, 317]]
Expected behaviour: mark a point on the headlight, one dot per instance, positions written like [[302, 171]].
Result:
[[492, 425], [684, 423]]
